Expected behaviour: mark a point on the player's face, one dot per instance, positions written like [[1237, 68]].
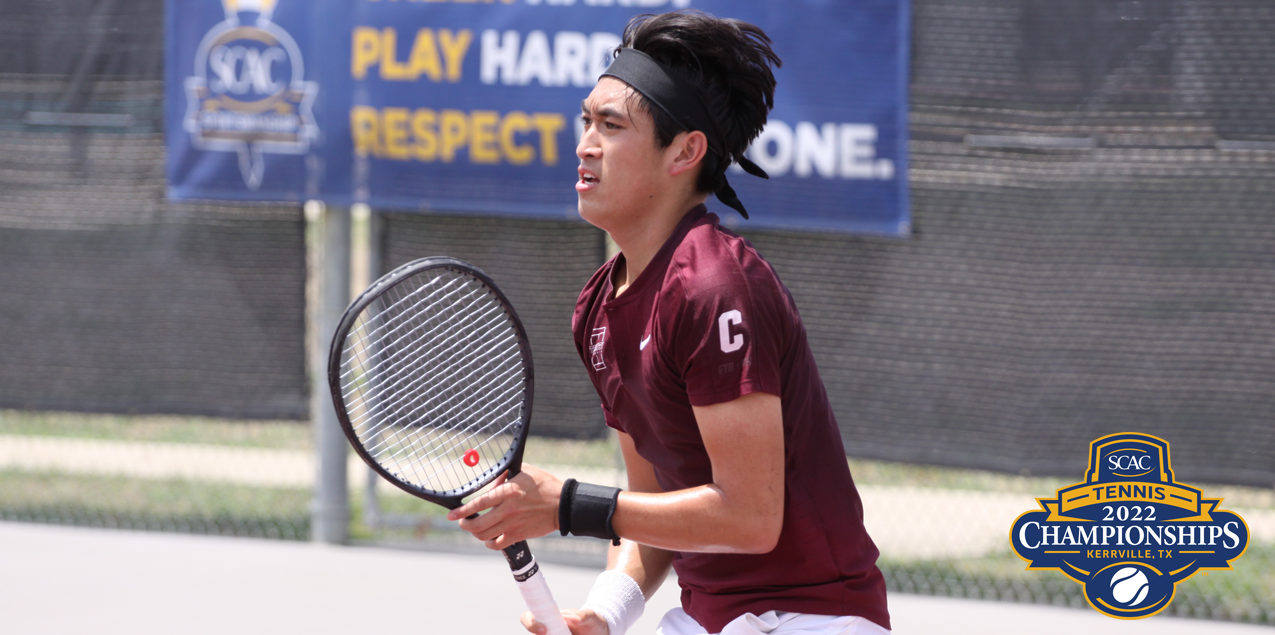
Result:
[[621, 169]]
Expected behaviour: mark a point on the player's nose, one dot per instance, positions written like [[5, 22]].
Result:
[[588, 147]]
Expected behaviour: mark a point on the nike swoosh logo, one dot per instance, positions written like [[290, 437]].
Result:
[[644, 341]]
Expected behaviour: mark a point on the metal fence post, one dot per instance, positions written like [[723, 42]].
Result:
[[330, 507], [372, 266]]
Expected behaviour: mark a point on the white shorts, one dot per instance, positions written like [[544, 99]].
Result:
[[677, 622]]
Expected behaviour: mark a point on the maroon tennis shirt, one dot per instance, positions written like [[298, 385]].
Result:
[[707, 322]]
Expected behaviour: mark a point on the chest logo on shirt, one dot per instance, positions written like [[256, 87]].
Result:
[[730, 343], [642, 344], [595, 347]]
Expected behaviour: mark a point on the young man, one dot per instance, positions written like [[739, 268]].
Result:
[[737, 474]]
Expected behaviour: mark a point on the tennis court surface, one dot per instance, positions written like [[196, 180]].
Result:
[[75, 580]]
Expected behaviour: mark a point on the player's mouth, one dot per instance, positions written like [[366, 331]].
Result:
[[588, 180]]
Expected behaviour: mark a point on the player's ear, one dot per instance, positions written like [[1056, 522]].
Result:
[[687, 150]]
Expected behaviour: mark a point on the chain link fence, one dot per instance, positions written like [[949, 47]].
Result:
[[941, 531]]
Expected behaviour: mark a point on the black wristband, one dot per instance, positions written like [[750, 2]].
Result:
[[564, 505], [585, 509]]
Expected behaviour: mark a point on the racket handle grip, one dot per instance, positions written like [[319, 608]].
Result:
[[535, 591]]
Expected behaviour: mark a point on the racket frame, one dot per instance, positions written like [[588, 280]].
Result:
[[452, 498], [526, 571]]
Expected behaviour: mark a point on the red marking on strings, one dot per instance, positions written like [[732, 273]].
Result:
[[471, 458]]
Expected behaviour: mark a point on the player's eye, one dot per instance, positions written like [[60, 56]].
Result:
[[611, 126]]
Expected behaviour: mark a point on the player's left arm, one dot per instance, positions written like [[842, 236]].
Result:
[[741, 511]]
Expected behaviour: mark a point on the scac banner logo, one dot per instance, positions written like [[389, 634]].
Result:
[[1130, 532], [249, 93]]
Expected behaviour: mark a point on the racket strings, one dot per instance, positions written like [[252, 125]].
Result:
[[388, 364], [398, 444], [446, 448], [483, 445], [358, 341], [471, 422], [362, 342], [413, 415], [377, 447], [402, 404], [365, 351], [433, 370], [417, 449], [393, 411], [438, 450], [452, 442], [413, 379], [390, 368]]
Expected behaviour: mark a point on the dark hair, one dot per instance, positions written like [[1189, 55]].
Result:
[[728, 61]]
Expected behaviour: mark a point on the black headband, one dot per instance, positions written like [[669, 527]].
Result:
[[680, 100]]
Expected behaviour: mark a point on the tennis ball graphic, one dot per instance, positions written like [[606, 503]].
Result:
[[1129, 586]]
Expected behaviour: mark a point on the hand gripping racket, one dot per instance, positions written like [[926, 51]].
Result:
[[430, 371]]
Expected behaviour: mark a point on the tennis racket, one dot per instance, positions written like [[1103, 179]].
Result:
[[431, 375]]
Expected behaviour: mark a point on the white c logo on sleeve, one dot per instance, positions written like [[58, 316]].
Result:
[[729, 343]]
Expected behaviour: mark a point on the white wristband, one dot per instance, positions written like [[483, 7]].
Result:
[[616, 598]]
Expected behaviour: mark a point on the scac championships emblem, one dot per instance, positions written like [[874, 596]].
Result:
[[1130, 532], [248, 94]]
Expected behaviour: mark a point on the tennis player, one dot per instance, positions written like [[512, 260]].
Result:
[[737, 475]]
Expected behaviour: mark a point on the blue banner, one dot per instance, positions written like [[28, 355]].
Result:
[[474, 105]]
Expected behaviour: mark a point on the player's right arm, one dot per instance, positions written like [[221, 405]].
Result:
[[648, 566]]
